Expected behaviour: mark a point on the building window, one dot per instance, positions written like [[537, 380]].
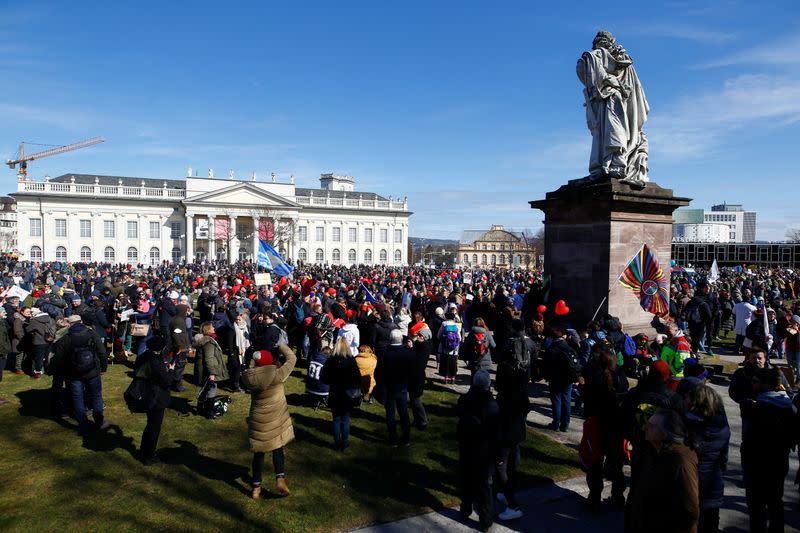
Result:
[[200, 254], [502, 259], [351, 256], [109, 229], [302, 233], [61, 253], [61, 227], [133, 229], [108, 254], [336, 257], [336, 234], [398, 236], [302, 255], [494, 247], [243, 231], [466, 258], [36, 227], [384, 256], [484, 247], [86, 254], [320, 255], [244, 254], [368, 256], [176, 255], [155, 256], [494, 260], [352, 234], [398, 256], [36, 252], [174, 230], [320, 233], [133, 255], [483, 259], [474, 259], [367, 234], [155, 230], [86, 229], [384, 235]]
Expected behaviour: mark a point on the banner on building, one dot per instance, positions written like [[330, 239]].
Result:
[[222, 228], [266, 230], [201, 228]]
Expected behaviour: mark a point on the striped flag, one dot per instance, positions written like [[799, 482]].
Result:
[[270, 259], [369, 296], [645, 279]]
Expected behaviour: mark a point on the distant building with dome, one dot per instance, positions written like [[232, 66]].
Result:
[[494, 248]]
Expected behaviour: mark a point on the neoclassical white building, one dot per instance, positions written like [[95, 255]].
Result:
[[113, 219]]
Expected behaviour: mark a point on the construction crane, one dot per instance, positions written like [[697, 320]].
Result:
[[22, 158]]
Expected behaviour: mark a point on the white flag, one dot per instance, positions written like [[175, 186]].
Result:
[[713, 277]]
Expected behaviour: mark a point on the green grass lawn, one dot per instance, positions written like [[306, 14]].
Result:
[[54, 480]]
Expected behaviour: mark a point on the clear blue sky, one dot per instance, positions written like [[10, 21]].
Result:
[[470, 109]]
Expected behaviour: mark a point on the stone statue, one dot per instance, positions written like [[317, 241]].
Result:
[[616, 110]]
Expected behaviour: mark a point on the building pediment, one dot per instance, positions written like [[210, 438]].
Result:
[[240, 194]]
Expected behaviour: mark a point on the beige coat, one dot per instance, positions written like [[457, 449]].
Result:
[[366, 362], [269, 424]]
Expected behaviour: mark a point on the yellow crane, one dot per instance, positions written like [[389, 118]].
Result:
[[22, 158]]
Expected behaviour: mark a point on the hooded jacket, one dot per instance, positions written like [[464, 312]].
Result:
[[209, 359], [41, 328], [710, 438]]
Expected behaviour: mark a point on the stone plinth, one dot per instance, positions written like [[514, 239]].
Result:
[[592, 228]]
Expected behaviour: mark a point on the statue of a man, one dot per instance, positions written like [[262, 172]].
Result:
[[616, 110]]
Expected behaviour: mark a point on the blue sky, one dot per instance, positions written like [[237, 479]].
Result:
[[469, 109]]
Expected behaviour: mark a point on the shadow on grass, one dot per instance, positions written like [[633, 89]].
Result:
[[188, 455], [38, 403], [109, 439], [181, 405]]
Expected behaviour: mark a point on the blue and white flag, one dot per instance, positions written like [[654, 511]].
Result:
[[367, 294], [270, 259]]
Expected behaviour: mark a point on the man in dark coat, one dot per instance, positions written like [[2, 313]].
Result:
[[5, 346], [73, 355], [396, 368], [773, 432], [166, 312], [477, 432]]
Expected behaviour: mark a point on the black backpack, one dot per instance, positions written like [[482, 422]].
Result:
[[518, 356], [83, 357]]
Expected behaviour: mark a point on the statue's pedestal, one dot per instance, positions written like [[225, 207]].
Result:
[[592, 228]]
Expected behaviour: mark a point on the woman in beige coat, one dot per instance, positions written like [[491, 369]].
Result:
[[269, 424]]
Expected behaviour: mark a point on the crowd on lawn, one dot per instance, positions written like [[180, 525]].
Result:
[[367, 334]]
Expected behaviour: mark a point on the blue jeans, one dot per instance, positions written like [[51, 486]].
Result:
[[341, 429], [94, 388], [779, 346], [793, 359], [397, 400], [561, 400]]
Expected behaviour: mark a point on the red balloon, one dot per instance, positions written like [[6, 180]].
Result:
[[561, 308], [276, 288], [194, 284], [542, 308], [393, 275]]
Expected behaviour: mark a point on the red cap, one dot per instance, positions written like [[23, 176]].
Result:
[[661, 368]]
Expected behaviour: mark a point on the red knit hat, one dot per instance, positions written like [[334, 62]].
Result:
[[262, 358]]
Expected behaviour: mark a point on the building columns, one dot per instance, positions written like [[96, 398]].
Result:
[[212, 240], [256, 238], [189, 238], [233, 252]]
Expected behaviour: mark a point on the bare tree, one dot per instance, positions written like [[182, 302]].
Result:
[[793, 235]]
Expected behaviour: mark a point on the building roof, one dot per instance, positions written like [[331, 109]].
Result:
[[89, 179], [469, 236], [355, 195]]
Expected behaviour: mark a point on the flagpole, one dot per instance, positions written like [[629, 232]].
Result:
[[608, 292]]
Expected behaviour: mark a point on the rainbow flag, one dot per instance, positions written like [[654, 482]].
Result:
[[644, 278]]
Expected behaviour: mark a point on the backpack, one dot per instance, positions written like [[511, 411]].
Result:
[[629, 346], [299, 313], [83, 357], [478, 346], [517, 355], [452, 339], [693, 315]]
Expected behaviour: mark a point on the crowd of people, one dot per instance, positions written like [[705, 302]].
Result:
[[366, 334]]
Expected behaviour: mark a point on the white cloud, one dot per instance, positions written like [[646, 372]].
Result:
[[684, 31], [698, 124], [780, 52]]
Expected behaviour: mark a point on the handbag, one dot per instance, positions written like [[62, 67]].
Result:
[[140, 330], [355, 395], [140, 396]]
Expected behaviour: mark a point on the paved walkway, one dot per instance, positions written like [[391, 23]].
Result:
[[560, 507]]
